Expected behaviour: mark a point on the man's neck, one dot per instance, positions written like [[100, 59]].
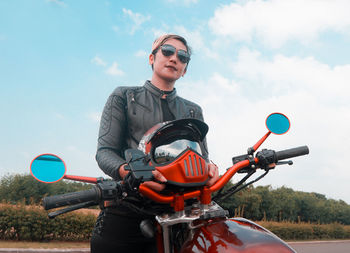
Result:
[[162, 84]]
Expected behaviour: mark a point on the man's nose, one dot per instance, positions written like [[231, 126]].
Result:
[[174, 57]]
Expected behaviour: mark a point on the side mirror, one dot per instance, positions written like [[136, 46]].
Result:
[[48, 168], [277, 123]]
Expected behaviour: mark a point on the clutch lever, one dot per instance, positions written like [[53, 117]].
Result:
[[71, 208]]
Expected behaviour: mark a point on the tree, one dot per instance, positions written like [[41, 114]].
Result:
[[265, 203], [16, 188]]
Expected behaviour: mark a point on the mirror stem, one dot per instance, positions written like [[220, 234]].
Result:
[[257, 145]]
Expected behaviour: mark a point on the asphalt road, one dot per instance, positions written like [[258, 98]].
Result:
[[321, 246], [300, 247], [14, 250]]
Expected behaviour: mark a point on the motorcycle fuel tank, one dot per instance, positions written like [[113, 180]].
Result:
[[234, 235]]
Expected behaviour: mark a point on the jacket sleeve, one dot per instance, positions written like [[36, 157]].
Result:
[[111, 139], [200, 117]]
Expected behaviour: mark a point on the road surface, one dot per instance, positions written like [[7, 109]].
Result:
[[300, 247], [321, 246]]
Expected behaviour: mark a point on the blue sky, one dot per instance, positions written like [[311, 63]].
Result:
[[59, 61]]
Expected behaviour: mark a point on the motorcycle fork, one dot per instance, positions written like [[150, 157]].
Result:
[[159, 237], [164, 232], [166, 240], [163, 239]]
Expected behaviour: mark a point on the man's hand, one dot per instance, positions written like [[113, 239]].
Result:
[[150, 184], [213, 172], [154, 185], [122, 171], [272, 165]]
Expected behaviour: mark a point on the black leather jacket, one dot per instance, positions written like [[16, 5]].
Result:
[[128, 114]]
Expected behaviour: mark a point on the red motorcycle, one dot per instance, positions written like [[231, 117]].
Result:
[[187, 217]]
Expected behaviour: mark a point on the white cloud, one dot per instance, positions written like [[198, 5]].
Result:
[[57, 2], [196, 41], [59, 116], [98, 61], [284, 75], [137, 18], [25, 155], [81, 161], [115, 28], [312, 94], [72, 148], [141, 53], [160, 30], [188, 2], [94, 116], [275, 22], [114, 70], [185, 2]]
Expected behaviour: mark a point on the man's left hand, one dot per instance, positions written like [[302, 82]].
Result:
[[213, 172]]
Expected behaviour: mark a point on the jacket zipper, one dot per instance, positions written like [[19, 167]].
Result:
[[192, 113], [133, 104], [161, 109]]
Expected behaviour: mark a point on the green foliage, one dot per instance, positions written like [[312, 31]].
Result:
[[30, 223], [285, 204], [255, 203], [301, 215], [307, 231], [17, 188], [20, 222]]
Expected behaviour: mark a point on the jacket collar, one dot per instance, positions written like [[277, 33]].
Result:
[[159, 93]]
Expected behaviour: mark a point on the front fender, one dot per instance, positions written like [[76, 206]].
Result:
[[234, 235]]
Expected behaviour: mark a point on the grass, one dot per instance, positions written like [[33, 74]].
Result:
[[44, 245]]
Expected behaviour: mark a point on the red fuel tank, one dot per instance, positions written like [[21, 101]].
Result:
[[234, 235]]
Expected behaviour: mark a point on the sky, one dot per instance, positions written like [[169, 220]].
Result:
[[60, 60]]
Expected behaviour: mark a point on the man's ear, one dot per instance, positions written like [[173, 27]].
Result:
[[185, 70], [151, 59]]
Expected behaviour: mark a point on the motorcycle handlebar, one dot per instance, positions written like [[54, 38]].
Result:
[[293, 152], [72, 198], [95, 194], [279, 155]]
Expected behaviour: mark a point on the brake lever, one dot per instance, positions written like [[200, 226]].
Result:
[[290, 162]]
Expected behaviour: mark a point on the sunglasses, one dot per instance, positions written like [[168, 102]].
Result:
[[168, 50]]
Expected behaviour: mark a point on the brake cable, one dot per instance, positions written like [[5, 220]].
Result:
[[235, 188], [220, 194]]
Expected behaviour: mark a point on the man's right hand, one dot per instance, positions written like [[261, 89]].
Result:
[[154, 185], [150, 184]]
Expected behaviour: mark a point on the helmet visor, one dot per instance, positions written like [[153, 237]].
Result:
[[169, 152]]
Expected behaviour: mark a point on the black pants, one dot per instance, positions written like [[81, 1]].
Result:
[[115, 233]]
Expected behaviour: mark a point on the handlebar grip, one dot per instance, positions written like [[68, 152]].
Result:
[[293, 152], [72, 198]]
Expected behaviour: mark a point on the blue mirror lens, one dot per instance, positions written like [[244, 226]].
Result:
[[48, 168], [277, 123]]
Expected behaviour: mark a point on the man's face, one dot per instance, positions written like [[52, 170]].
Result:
[[168, 68]]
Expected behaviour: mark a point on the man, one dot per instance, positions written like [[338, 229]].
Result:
[[128, 114]]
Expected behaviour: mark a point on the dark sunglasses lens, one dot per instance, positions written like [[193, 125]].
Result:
[[183, 56], [168, 50]]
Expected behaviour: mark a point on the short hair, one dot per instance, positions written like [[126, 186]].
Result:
[[162, 39]]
